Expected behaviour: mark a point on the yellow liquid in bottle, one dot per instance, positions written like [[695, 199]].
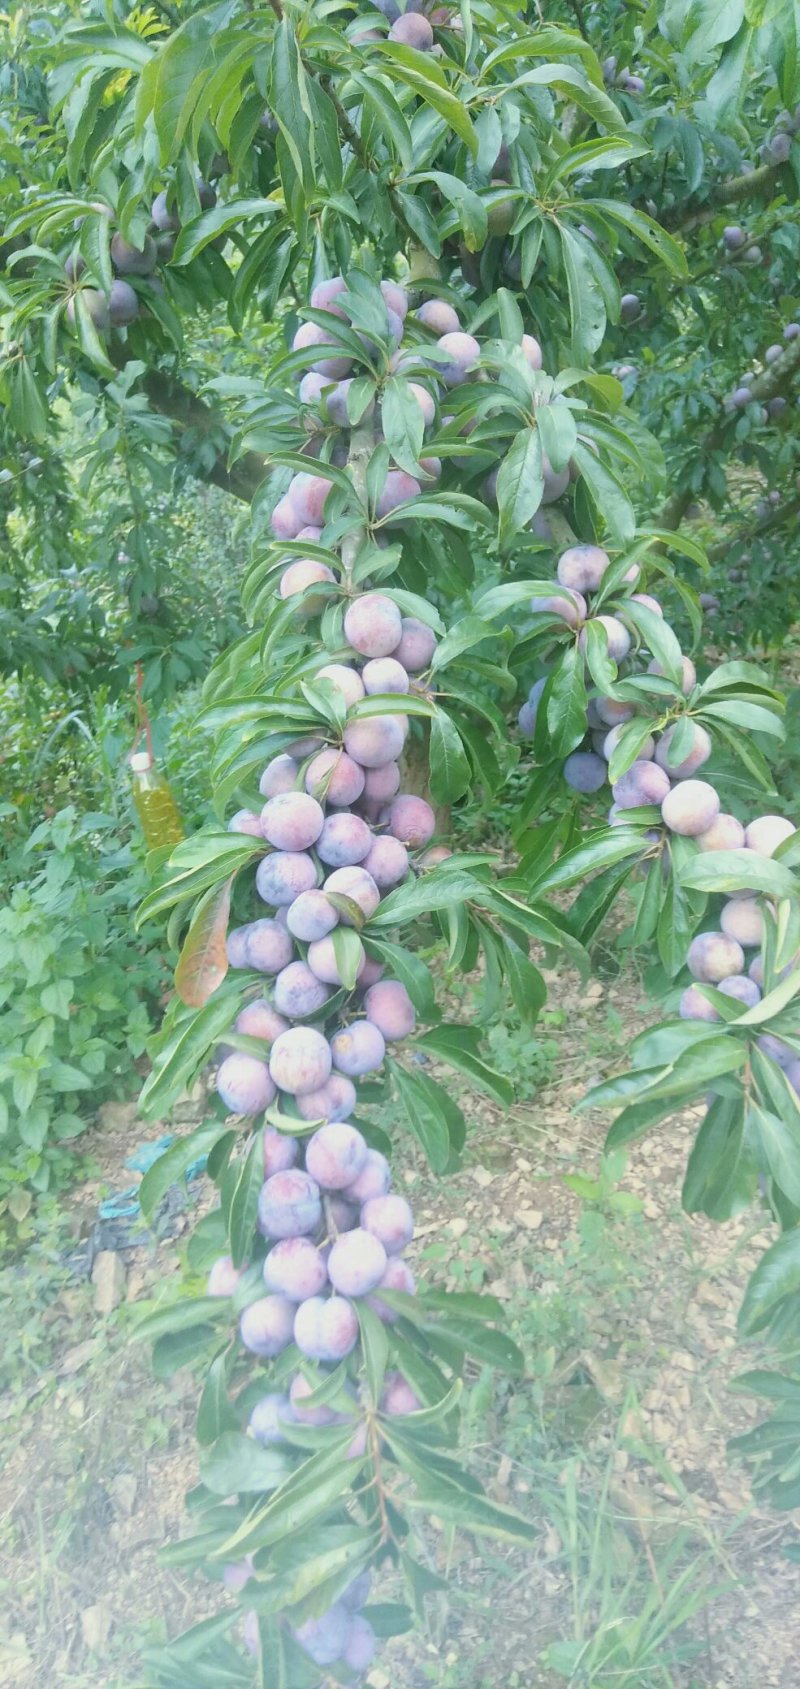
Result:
[[155, 806]]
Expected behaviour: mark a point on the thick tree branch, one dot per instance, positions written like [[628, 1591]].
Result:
[[736, 188], [769, 385], [754, 530], [194, 417]]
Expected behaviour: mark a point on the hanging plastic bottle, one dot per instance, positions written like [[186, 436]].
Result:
[[154, 802]]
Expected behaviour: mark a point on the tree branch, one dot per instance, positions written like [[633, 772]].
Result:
[[767, 386], [754, 530], [736, 188], [194, 417]]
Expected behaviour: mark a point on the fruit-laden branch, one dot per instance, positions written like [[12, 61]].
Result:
[[754, 530], [685, 216], [769, 385], [194, 417]]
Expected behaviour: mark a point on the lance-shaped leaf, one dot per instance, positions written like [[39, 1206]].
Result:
[[203, 962]]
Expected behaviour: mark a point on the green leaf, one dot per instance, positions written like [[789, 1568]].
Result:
[[349, 954], [244, 1202], [776, 1277], [738, 870], [412, 972], [428, 1110], [374, 1347], [233, 214], [586, 305], [238, 1463], [290, 103], [403, 423], [646, 230], [458, 1047], [215, 1412], [449, 764], [170, 1167], [720, 1173], [520, 483], [203, 961]]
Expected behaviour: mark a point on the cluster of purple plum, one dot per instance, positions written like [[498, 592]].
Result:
[[742, 396], [739, 246], [412, 25], [616, 76], [123, 303], [660, 775]]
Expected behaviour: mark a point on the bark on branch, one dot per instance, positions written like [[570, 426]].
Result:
[[731, 192]]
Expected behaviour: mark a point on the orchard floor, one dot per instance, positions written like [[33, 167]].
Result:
[[615, 1440]]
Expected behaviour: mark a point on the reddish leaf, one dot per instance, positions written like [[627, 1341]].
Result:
[[203, 961]]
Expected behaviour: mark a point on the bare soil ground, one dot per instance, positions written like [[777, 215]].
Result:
[[626, 1311]]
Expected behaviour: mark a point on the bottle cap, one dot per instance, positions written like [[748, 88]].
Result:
[[140, 761]]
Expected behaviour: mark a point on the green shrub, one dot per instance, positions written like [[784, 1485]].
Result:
[[78, 993]]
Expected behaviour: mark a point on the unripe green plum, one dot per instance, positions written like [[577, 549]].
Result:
[[373, 625], [280, 775], [712, 957], [398, 488], [643, 783], [269, 1419], [280, 1150], [289, 1204], [699, 753], [417, 645], [374, 1178], [335, 1156], [292, 821], [345, 840], [326, 1331], [375, 741], [690, 808], [133, 260], [335, 367], [582, 567], [244, 1084], [300, 1060], [357, 1263], [123, 304], [398, 1276], [390, 1008], [335, 1100], [412, 821], [390, 1219], [398, 1397], [266, 1326], [280, 878], [300, 575], [585, 772], [384, 674], [387, 862], [463, 352], [347, 681], [617, 636], [358, 1049], [359, 886], [437, 315], [766, 833], [311, 916], [296, 1269], [743, 920], [223, 1278]]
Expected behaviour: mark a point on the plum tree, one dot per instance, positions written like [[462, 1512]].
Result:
[[336, 586]]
